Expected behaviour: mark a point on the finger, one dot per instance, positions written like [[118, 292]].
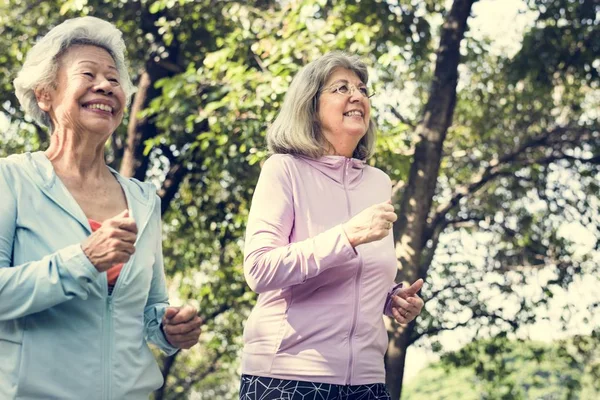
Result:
[[386, 207], [415, 287], [183, 342], [120, 246], [128, 237], [407, 314], [388, 216], [193, 335], [119, 257], [398, 317], [408, 303], [188, 345], [383, 224], [128, 224], [121, 234], [123, 223], [416, 301], [398, 301], [170, 312], [185, 314], [412, 289], [122, 214], [392, 217], [181, 329]]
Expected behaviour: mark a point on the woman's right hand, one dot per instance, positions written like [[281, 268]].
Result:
[[371, 224], [112, 243]]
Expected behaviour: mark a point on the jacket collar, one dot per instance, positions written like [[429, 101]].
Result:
[[140, 196], [340, 169]]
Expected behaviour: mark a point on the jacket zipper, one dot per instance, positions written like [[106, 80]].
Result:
[[356, 286], [107, 355], [139, 234], [108, 330]]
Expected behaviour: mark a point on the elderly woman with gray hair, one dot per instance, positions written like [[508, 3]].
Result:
[[318, 249], [82, 286]]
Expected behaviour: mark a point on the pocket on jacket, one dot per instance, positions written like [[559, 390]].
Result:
[[10, 365]]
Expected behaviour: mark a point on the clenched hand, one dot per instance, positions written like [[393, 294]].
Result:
[[371, 224], [182, 326], [112, 243]]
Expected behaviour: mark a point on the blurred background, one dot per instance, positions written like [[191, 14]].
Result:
[[488, 115]]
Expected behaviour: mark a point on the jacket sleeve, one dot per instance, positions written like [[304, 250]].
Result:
[[395, 289], [271, 262], [158, 299], [36, 286]]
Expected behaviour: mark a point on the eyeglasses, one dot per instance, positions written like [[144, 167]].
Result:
[[347, 89]]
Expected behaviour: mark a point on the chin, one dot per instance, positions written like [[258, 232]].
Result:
[[357, 132], [100, 130]]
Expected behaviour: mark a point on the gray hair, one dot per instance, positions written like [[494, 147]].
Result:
[[296, 130], [42, 62]]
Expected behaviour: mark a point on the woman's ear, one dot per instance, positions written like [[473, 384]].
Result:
[[44, 99]]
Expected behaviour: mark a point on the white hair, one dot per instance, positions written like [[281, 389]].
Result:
[[42, 62], [297, 130]]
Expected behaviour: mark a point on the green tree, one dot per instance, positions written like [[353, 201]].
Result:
[[498, 368]]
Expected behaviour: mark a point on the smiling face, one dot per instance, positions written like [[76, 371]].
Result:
[[344, 117], [86, 96]]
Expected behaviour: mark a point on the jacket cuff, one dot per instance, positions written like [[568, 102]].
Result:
[[76, 267], [331, 248], [387, 309], [164, 344], [158, 336]]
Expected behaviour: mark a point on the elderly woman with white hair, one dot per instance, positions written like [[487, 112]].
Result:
[[82, 285], [318, 249]]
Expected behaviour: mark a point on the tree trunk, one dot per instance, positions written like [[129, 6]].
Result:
[[168, 363], [139, 130], [134, 163], [395, 358], [415, 206]]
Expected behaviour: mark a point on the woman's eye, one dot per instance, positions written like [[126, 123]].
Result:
[[88, 74], [343, 89], [364, 91]]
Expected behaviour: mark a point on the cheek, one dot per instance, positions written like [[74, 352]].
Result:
[[120, 95]]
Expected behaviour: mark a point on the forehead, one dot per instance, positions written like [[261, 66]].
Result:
[[343, 74], [87, 54]]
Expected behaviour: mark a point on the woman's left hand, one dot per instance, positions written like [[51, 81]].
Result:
[[181, 326], [406, 305]]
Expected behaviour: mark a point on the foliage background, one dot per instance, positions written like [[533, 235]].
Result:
[[494, 158]]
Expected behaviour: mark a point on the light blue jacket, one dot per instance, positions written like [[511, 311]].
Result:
[[61, 335]]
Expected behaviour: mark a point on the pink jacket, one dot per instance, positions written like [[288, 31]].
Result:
[[319, 315]]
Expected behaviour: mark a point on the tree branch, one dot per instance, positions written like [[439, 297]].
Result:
[[453, 286], [175, 176], [197, 378], [401, 118], [434, 331], [477, 314], [427, 258], [494, 169]]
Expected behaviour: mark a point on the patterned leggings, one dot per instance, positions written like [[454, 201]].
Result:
[[260, 388]]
